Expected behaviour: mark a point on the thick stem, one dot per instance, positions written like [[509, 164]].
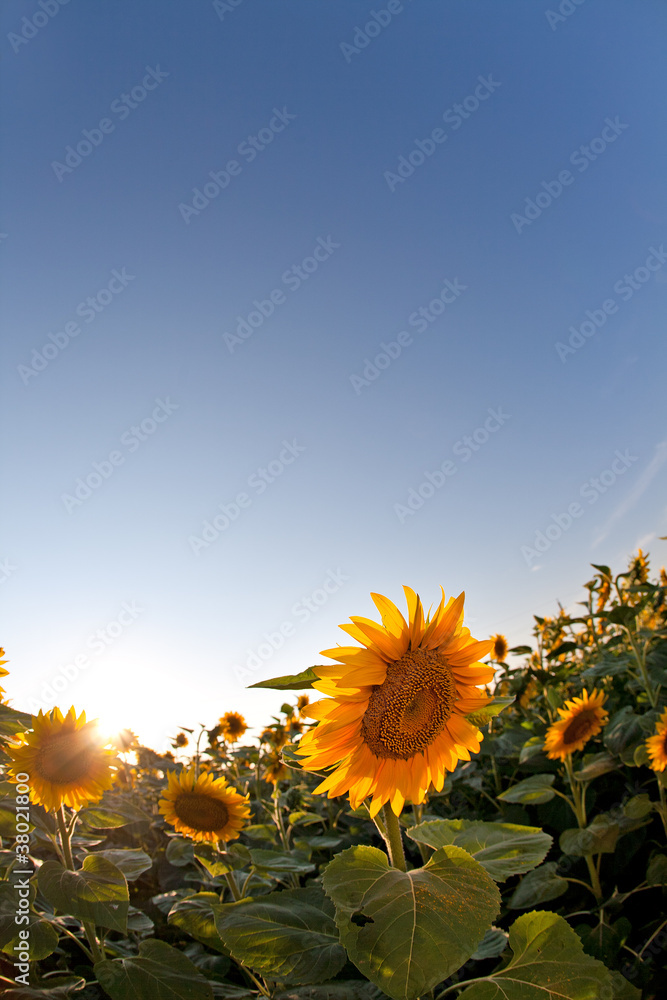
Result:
[[578, 790], [66, 847], [393, 839]]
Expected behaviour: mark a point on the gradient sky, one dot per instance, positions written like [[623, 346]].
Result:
[[184, 623]]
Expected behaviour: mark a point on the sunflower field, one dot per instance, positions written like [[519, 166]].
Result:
[[422, 819]]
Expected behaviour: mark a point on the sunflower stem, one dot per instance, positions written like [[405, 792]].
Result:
[[394, 839], [578, 790], [66, 847], [641, 663]]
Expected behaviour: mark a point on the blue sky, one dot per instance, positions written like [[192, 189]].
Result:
[[261, 425]]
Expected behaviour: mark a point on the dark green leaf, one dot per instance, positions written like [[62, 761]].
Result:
[[538, 886], [43, 938], [503, 849], [531, 790], [13, 722], [493, 944], [180, 852], [281, 861], [159, 972], [289, 682], [103, 817], [289, 935], [548, 963], [97, 892], [195, 916], [132, 862]]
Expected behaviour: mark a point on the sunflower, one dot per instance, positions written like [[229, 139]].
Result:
[[275, 769], [232, 726], [66, 758], [581, 719], [657, 745], [499, 647], [181, 740], [3, 672], [203, 808], [302, 703], [395, 723]]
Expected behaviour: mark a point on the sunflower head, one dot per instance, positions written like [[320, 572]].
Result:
[[499, 647], [66, 758], [656, 745], [232, 726], [181, 740], [580, 719], [603, 595], [302, 703], [275, 769], [396, 719], [203, 808], [639, 567]]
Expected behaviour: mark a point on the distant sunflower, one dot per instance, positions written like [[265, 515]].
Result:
[[3, 672], [275, 769], [66, 758], [499, 647], [395, 723], [581, 719], [181, 740], [302, 703], [203, 808], [232, 726], [657, 745]]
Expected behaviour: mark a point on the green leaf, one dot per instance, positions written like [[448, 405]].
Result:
[[180, 852], [97, 892], [538, 886], [495, 707], [563, 647], [132, 862], [503, 849], [289, 682], [622, 615], [68, 985], [281, 861], [624, 728], [13, 722], [342, 989], [521, 650], [531, 790], [656, 873], [596, 765], [43, 938], [548, 963], [103, 817], [407, 931], [195, 916], [222, 862], [138, 922], [289, 935], [531, 748], [159, 972], [493, 944], [621, 989], [598, 838]]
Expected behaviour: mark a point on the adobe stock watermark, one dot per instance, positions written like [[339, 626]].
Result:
[[122, 107], [591, 491], [249, 149], [98, 642], [258, 482], [22, 885], [292, 278], [222, 7], [130, 441], [566, 9], [88, 311], [31, 26], [7, 569], [363, 36], [464, 449], [419, 320], [302, 610], [454, 116], [581, 158], [625, 288]]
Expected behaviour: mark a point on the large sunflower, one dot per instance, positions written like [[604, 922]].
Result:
[[395, 723], [66, 758], [581, 719], [657, 745], [203, 808]]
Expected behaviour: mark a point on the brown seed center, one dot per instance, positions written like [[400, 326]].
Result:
[[66, 758], [409, 710], [580, 726], [201, 812]]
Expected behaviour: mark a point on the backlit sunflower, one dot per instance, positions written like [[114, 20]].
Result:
[[395, 723], [232, 726], [581, 719], [657, 745], [274, 768], [499, 648], [66, 758], [3, 672], [203, 808]]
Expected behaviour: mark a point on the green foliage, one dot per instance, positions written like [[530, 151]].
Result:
[[407, 931], [97, 892], [158, 972], [503, 849]]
